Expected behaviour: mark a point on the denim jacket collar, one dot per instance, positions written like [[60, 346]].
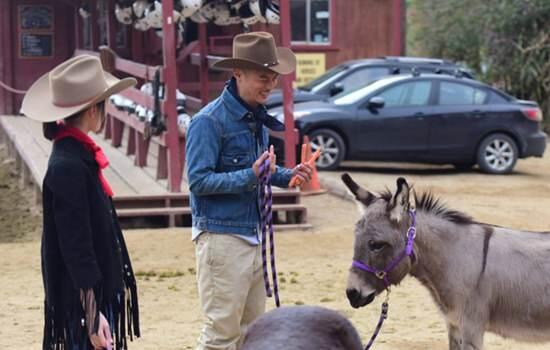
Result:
[[238, 108]]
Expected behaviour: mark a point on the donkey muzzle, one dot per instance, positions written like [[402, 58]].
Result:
[[357, 300]]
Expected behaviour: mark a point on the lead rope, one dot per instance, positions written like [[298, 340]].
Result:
[[266, 214], [383, 316]]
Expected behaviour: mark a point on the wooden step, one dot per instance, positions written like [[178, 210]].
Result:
[[283, 215], [161, 211], [153, 211]]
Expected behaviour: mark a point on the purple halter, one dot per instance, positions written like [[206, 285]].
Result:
[[408, 251], [266, 223], [383, 274]]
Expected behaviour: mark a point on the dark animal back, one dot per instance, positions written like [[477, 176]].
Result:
[[302, 328]]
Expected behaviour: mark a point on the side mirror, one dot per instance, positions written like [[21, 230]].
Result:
[[376, 102], [336, 88]]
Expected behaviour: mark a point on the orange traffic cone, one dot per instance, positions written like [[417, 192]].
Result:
[[313, 186]]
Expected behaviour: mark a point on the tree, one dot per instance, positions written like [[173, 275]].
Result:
[[505, 42]]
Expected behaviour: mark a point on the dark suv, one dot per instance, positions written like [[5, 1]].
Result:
[[350, 75]]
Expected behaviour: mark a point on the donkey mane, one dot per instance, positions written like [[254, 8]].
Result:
[[428, 202]]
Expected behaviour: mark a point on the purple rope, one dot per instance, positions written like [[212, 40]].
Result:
[[383, 316], [266, 216]]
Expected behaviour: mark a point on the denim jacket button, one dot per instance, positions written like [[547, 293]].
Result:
[[235, 160]]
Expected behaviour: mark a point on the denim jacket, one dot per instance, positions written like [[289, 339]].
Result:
[[221, 148]]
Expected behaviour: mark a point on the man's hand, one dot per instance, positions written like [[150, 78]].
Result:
[[303, 171], [102, 339], [266, 155]]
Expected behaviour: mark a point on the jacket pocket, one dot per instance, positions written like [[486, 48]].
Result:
[[233, 162]]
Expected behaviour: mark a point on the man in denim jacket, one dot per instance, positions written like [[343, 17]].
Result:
[[226, 143]]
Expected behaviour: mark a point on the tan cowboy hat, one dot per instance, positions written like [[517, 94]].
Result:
[[71, 87], [258, 50]]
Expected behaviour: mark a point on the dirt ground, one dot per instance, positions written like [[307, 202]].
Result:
[[313, 264]]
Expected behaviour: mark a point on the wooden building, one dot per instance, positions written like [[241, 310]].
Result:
[[36, 35]]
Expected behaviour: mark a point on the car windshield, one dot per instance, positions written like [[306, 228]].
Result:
[[353, 96], [329, 74]]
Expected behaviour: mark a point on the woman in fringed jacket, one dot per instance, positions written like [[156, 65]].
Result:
[[91, 295]]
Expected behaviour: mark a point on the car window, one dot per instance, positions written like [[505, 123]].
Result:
[[362, 77], [407, 94], [460, 94], [497, 98], [329, 74], [354, 96]]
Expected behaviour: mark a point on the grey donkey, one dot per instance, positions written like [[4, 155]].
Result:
[[482, 277], [301, 328]]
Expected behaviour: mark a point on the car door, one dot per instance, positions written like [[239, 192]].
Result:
[[460, 109], [400, 129]]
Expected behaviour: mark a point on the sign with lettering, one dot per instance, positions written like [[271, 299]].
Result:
[[36, 45], [35, 17], [309, 66]]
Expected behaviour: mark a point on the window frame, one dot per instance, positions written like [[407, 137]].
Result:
[[481, 88], [305, 46], [431, 97]]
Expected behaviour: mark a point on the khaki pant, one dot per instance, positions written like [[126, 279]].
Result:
[[231, 288]]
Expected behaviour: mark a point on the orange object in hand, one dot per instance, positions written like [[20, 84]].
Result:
[[296, 181]]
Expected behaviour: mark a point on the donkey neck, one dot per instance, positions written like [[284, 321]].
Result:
[[437, 241]]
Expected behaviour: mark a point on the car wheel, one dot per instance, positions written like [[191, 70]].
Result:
[[497, 154], [333, 148]]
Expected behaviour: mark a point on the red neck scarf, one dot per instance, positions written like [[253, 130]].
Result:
[[100, 157]]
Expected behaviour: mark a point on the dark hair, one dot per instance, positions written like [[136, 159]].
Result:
[[50, 129]]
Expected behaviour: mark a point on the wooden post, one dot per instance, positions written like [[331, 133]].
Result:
[[131, 147], [117, 131], [94, 25], [108, 58], [288, 103], [397, 30], [175, 159], [7, 30], [111, 23], [78, 24], [142, 149], [162, 163], [203, 46]]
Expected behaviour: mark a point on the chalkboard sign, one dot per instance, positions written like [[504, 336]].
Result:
[[35, 17], [36, 45]]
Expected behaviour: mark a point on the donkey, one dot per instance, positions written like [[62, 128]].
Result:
[[482, 277], [301, 328]]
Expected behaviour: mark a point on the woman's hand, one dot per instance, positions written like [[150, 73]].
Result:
[[102, 339]]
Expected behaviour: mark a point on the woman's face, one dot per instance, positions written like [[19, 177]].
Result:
[[97, 117]]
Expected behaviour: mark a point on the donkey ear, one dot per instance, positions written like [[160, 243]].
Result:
[[400, 202], [363, 196]]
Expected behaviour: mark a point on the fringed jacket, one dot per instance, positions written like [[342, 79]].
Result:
[[83, 253]]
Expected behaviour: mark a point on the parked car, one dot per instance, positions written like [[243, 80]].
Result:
[[427, 118], [353, 74]]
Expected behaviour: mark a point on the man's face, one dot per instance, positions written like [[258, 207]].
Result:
[[255, 85]]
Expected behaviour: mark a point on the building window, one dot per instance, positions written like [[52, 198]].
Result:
[[310, 22]]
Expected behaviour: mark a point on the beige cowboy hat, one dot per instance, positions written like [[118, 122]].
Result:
[[258, 50], [71, 87]]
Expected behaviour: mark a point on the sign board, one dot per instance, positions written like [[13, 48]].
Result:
[[35, 17], [36, 45], [36, 31], [309, 66]]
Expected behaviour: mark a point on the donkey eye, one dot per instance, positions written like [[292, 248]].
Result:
[[377, 246]]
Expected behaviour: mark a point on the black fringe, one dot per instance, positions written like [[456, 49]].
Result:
[[121, 309]]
